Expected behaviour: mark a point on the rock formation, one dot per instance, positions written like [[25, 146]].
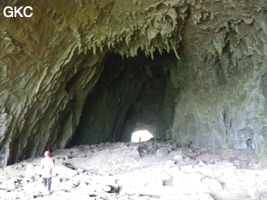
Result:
[[86, 72]]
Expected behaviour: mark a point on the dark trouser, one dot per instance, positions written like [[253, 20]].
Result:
[[47, 183]]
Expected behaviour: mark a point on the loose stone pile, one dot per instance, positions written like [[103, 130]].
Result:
[[162, 170]]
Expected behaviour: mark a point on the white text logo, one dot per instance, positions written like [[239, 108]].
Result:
[[20, 11]]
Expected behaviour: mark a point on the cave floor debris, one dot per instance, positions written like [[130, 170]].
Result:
[[163, 170]]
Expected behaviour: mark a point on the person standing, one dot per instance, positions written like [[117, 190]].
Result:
[[47, 165]]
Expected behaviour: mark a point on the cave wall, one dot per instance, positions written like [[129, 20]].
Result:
[[52, 61], [222, 103]]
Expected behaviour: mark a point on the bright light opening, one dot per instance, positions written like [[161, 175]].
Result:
[[141, 136]]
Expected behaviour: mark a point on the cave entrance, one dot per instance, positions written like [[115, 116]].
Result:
[[141, 136]]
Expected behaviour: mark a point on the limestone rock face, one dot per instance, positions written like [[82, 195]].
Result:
[[223, 101], [89, 71]]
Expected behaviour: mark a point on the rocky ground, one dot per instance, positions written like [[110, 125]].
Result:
[[161, 170]]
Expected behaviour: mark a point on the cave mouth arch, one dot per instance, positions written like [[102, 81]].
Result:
[[129, 91]]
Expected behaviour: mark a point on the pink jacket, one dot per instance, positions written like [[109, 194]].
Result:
[[47, 165]]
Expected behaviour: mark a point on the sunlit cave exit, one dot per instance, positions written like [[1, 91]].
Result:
[[141, 136]]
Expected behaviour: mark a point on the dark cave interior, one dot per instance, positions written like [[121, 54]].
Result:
[[130, 95]]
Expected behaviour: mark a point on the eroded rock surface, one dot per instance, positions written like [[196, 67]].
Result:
[[212, 77], [162, 170]]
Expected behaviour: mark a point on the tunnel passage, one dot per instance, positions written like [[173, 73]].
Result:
[[130, 92]]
